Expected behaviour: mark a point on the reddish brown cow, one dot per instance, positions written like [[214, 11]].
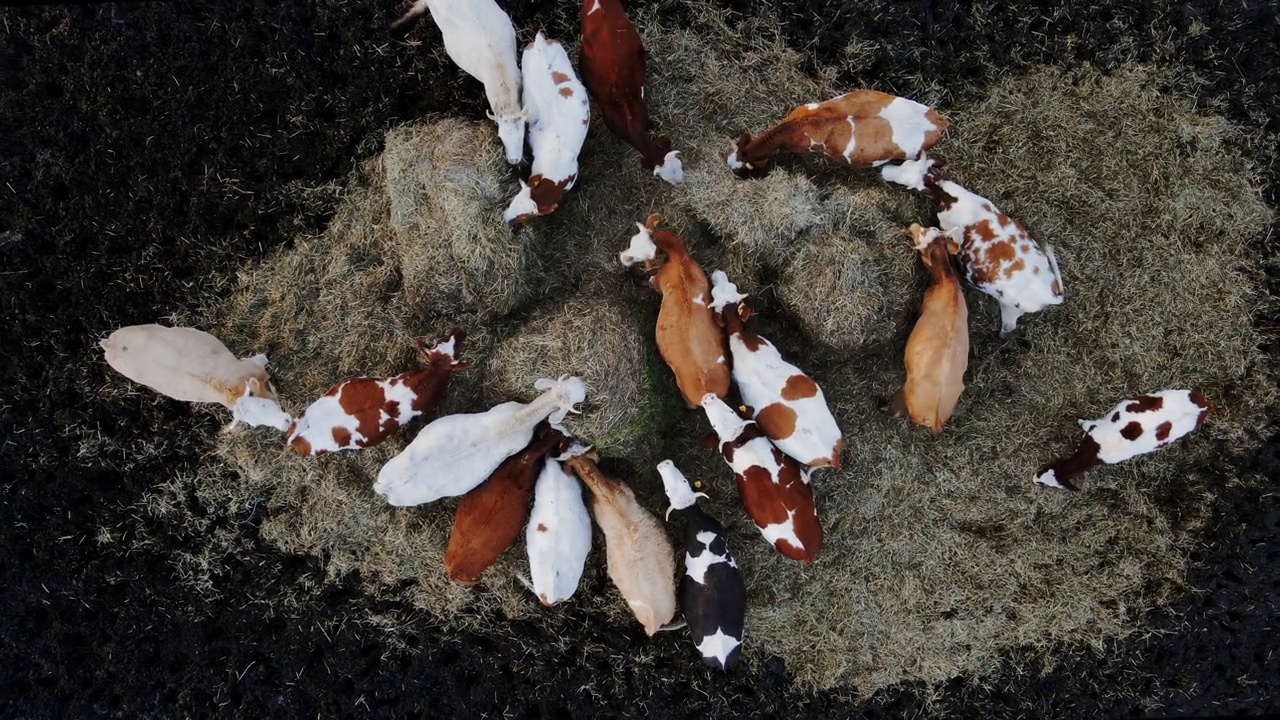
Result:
[[688, 338], [490, 517], [612, 64], [859, 129]]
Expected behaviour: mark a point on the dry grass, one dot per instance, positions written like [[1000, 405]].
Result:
[[940, 554]]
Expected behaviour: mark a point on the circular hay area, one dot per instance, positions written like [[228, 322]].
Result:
[[940, 555]]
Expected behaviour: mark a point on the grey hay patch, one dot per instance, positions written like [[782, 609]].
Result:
[[940, 555]]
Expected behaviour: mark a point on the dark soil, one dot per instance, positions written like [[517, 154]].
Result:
[[151, 149]]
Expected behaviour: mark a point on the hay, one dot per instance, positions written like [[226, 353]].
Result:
[[940, 554]]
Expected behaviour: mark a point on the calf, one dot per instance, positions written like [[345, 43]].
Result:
[[612, 61], [489, 518], [774, 489], [687, 336], [787, 404], [558, 537], [193, 366], [641, 559], [455, 453], [558, 117], [713, 595], [481, 40], [1134, 427], [998, 255], [364, 411], [858, 129], [938, 349]]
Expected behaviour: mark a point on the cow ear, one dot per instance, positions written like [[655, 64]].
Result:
[[710, 442], [718, 317], [744, 311], [652, 221]]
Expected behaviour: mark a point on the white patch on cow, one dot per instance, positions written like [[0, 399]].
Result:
[[259, 411], [318, 421], [727, 423], [734, 164], [853, 139], [1050, 479], [720, 359], [910, 124], [403, 397], [679, 492], [723, 291], [812, 106], [909, 173], [784, 531], [696, 566], [521, 205], [595, 7], [757, 453], [718, 646], [670, 169], [448, 347], [641, 249]]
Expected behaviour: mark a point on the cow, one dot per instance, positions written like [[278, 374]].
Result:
[[938, 349], [612, 62], [558, 536], [481, 40], [490, 517], [999, 257], [774, 489], [559, 114], [862, 128], [786, 403], [640, 556], [455, 453], [193, 366], [362, 412], [687, 336], [713, 595], [1136, 426]]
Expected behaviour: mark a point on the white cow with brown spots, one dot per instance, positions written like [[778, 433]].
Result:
[[559, 114], [998, 255], [858, 129], [785, 402], [1134, 427], [481, 40], [558, 537]]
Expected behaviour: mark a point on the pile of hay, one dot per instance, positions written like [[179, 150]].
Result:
[[940, 554]]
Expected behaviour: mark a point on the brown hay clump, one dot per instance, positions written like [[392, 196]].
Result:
[[940, 554]]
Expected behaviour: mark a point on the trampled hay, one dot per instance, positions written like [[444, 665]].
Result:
[[940, 554]]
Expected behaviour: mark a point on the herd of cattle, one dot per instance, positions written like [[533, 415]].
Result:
[[499, 460]]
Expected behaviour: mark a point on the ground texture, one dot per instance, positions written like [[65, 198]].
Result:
[[158, 149]]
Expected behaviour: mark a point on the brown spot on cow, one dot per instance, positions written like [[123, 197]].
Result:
[[1116, 417], [983, 230], [301, 446], [1145, 403], [799, 387], [1132, 431], [566, 91], [558, 77], [342, 436], [1017, 266], [1035, 270], [542, 528], [364, 399], [777, 421], [1205, 405], [1163, 430], [1055, 287]]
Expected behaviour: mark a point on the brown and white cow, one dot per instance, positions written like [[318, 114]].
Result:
[[938, 349], [859, 129], [774, 489], [490, 517], [364, 411], [612, 62], [998, 255], [786, 403], [1134, 427], [688, 338], [559, 113]]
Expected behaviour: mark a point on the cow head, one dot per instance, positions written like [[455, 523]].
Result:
[[511, 128], [539, 196], [642, 248]]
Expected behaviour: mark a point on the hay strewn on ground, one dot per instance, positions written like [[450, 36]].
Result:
[[940, 554]]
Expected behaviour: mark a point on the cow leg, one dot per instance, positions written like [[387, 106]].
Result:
[[1009, 319]]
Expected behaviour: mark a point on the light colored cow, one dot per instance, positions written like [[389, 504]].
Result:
[[858, 129], [559, 114], [1135, 427], [455, 453], [558, 537], [481, 40], [786, 403]]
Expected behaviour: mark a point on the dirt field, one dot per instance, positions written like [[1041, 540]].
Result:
[[161, 148]]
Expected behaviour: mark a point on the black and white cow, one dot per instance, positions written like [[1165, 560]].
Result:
[[712, 592], [1135, 427]]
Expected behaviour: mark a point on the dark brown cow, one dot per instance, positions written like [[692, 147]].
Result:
[[612, 64]]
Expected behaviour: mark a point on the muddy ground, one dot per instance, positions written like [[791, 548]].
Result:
[[151, 149]]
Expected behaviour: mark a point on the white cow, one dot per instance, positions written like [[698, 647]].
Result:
[[558, 537], [559, 113], [481, 40]]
